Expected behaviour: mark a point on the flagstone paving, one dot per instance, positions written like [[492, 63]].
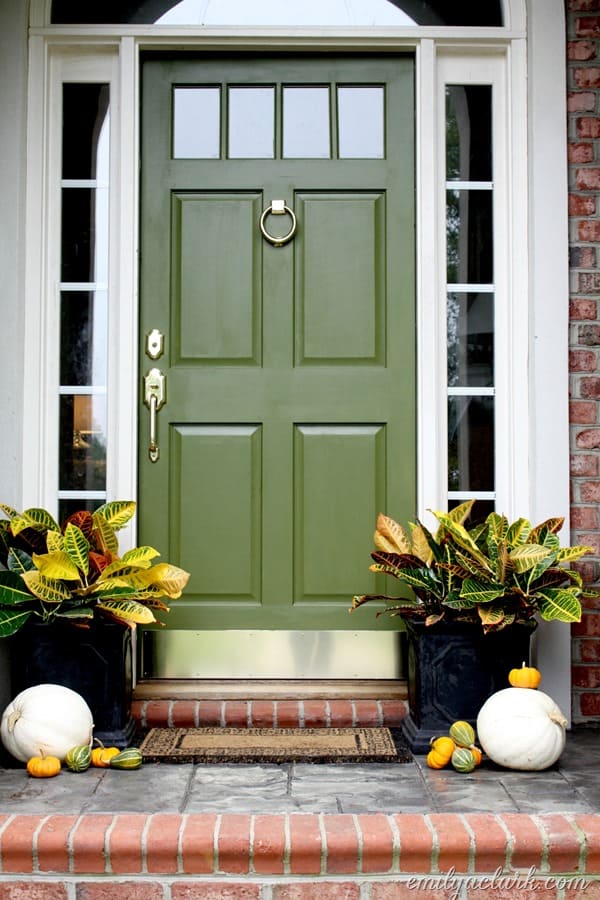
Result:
[[315, 788]]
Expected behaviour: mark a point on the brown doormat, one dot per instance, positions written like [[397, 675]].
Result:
[[275, 745]]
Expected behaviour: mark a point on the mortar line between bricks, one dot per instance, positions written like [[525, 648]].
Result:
[[583, 844], [216, 831], [70, 841], [249, 713], [360, 842], [354, 713], [182, 826], [287, 845], [327, 714], [323, 844], [223, 712], [275, 714], [196, 715], [35, 859], [379, 713], [170, 713], [144, 843], [510, 843], [396, 846], [435, 844], [471, 867], [251, 868], [545, 860], [107, 835], [301, 714], [144, 714]]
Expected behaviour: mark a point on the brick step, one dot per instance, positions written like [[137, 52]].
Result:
[[253, 713], [168, 856]]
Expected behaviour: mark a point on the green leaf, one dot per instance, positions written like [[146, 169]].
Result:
[[79, 612], [12, 592], [140, 556], [77, 548], [477, 593], [526, 556], [568, 554], [117, 513], [114, 588], [105, 535], [518, 532], [464, 540], [54, 541], [8, 511], [56, 565], [46, 589], [461, 512], [11, 621], [491, 616], [38, 519], [128, 611], [19, 561], [560, 604], [548, 526]]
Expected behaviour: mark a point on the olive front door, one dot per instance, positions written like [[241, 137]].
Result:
[[277, 332]]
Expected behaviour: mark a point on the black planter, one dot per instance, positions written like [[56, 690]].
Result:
[[95, 662], [452, 669]]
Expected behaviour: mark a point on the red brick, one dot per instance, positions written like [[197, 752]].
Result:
[[394, 711], [377, 843], [138, 706], [236, 713], [582, 5], [589, 704], [263, 713], [124, 890], [584, 465], [586, 127], [585, 676], [162, 843], [590, 540], [582, 888], [589, 335], [583, 308], [581, 101], [590, 825], [589, 440], [584, 517], [315, 713], [224, 890], [125, 844], [341, 839], [27, 890], [582, 257], [416, 843], [583, 361], [581, 50], [88, 843], [197, 844], [589, 649], [589, 230], [342, 890], [269, 845], [527, 841], [52, 844], [589, 570], [157, 713], [367, 713], [16, 845], [582, 412], [587, 76], [340, 712], [589, 388], [589, 282], [305, 845], [512, 886], [413, 887], [588, 26], [234, 844], [588, 179], [184, 713], [581, 205], [564, 842], [209, 713], [453, 840], [590, 492], [589, 625], [288, 714], [490, 841]]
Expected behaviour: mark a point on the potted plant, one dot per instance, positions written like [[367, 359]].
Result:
[[70, 603], [476, 595]]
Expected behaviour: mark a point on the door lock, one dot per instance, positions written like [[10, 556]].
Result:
[[155, 396], [155, 344]]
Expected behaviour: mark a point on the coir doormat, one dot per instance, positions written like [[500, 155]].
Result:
[[225, 745]]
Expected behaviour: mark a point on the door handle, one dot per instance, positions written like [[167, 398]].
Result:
[[155, 396]]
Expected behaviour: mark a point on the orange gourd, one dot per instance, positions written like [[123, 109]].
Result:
[[43, 766], [525, 677], [101, 756], [436, 760], [444, 746], [477, 754]]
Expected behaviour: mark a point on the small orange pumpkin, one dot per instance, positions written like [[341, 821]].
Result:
[[477, 754], [43, 766], [444, 747], [436, 760], [101, 756], [525, 677]]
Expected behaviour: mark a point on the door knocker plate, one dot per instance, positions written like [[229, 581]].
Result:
[[278, 208]]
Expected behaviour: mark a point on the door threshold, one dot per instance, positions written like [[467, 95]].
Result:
[[269, 689]]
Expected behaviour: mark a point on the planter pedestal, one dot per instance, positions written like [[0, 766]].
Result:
[[452, 669], [96, 662]]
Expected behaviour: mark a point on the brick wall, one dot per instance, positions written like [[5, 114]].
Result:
[[583, 104]]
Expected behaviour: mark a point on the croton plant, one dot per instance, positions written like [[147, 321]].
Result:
[[492, 574], [74, 571]]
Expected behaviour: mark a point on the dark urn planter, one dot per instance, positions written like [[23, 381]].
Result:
[[452, 669], [96, 662]]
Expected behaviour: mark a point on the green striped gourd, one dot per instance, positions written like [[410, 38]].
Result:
[[463, 760], [78, 758], [130, 758], [462, 734]]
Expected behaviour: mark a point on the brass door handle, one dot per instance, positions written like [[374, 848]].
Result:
[[155, 396], [278, 208]]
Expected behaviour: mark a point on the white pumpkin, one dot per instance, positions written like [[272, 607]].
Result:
[[521, 729], [47, 720]]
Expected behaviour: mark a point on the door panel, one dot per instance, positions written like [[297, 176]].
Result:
[[290, 414]]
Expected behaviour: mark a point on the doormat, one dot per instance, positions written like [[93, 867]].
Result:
[[274, 745]]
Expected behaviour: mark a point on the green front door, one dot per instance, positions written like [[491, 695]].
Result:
[[289, 420]]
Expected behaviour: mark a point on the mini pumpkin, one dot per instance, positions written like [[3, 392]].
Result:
[[43, 766], [436, 760], [443, 746], [101, 756], [463, 760], [525, 677]]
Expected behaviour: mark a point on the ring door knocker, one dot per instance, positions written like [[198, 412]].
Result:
[[278, 208]]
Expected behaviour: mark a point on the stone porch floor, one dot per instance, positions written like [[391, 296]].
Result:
[[299, 831]]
